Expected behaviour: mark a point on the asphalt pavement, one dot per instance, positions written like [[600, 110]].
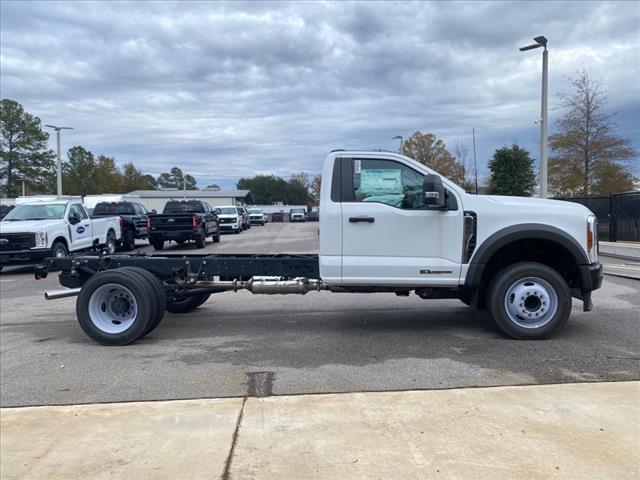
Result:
[[318, 343]]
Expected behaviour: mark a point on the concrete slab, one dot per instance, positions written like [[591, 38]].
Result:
[[172, 440], [584, 431]]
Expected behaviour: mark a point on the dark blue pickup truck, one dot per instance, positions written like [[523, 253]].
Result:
[[182, 221]]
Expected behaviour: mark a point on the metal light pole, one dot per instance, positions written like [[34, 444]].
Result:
[[59, 179], [542, 42], [396, 138], [475, 163]]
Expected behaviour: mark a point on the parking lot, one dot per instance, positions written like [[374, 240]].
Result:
[[318, 343]]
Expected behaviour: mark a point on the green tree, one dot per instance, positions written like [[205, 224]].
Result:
[[315, 189], [23, 150], [511, 172], [108, 176], [432, 152], [135, 179], [177, 179], [265, 189], [79, 172], [588, 156], [213, 186], [298, 192]]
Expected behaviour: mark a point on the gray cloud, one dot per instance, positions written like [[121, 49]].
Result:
[[230, 89]]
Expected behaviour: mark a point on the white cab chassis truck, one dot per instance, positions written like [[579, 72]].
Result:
[[34, 231], [387, 224]]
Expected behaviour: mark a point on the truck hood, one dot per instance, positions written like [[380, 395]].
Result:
[[534, 202], [228, 215], [27, 225]]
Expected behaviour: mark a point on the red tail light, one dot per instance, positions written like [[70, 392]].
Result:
[[195, 222], [148, 223]]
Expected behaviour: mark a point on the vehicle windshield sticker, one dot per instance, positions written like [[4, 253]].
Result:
[[357, 166], [380, 181]]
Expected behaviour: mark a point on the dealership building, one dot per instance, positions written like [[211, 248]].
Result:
[[156, 199]]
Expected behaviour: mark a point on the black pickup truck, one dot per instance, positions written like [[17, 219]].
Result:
[[181, 221], [133, 217]]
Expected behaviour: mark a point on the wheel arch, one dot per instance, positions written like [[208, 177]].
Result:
[[61, 239], [526, 242]]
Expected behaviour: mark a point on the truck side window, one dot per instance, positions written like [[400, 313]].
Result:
[[76, 209], [388, 182]]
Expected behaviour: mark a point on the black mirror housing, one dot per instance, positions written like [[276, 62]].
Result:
[[74, 218], [433, 190]]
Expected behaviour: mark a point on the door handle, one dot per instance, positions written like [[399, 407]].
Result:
[[361, 219]]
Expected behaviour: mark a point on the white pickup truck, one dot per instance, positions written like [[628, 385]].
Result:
[[34, 231], [387, 224]]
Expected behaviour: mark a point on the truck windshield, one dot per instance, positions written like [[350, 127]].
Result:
[[255, 210], [297, 210], [227, 211], [115, 208], [183, 207], [44, 211]]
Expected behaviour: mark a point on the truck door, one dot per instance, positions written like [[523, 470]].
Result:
[[388, 235], [80, 230]]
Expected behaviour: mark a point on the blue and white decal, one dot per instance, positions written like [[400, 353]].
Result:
[[80, 229]]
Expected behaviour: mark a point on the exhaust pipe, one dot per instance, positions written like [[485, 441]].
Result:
[[57, 294], [267, 285]]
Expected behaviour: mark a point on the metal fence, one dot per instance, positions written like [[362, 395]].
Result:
[[618, 215]]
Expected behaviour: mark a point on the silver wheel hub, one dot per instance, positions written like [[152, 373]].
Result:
[[531, 302], [113, 308]]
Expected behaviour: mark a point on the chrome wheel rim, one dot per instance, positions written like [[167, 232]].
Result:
[[531, 302], [111, 245], [60, 252], [113, 308]]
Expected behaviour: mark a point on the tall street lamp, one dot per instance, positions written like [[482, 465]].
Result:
[[59, 182], [400, 138], [542, 42]]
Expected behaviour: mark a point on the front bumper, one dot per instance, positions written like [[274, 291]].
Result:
[[24, 257], [226, 227], [256, 220]]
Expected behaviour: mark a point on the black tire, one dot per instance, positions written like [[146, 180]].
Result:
[[160, 299], [157, 243], [536, 284], [186, 304], [129, 241], [59, 250], [216, 237], [142, 293], [237, 232], [201, 239], [110, 242]]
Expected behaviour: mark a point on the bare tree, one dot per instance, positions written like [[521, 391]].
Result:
[[588, 156]]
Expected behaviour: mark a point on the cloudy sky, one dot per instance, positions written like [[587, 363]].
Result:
[[230, 90]]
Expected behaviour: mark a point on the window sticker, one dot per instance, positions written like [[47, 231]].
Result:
[[381, 181], [357, 166]]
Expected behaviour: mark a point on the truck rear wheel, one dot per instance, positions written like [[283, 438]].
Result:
[[201, 238], [186, 304], [129, 241], [111, 243], [159, 299], [157, 243], [216, 237], [529, 301], [114, 307]]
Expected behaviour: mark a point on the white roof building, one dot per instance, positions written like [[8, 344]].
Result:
[[156, 199]]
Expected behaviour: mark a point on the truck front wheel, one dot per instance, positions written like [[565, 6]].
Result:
[[529, 301], [59, 250]]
